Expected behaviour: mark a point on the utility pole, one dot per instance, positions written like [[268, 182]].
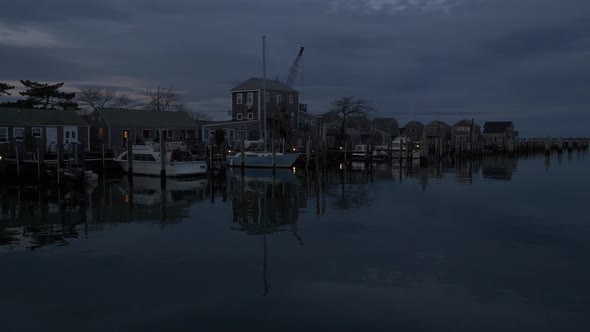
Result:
[[264, 88]]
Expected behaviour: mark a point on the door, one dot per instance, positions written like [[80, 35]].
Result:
[[51, 139], [70, 134]]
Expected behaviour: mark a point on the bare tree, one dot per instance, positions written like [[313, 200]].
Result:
[[92, 98], [165, 100], [347, 107], [199, 116]]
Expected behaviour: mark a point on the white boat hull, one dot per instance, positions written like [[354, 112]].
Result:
[[190, 168], [263, 161]]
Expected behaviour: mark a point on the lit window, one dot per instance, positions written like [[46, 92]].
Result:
[[250, 97], [239, 116], [291, 99], [250, 116], [3, 134], [100, 132], [279, 99], [18, 133], [239, 99]]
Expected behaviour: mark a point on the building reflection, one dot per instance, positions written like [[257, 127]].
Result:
[[33, 217], [263, 203]]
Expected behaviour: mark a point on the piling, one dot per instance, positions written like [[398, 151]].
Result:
[[242, 154], [38, 166], [102, 161], [17, 159], [162, 159], [129, 160], [273, 153]]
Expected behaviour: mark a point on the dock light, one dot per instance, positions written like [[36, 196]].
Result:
[[293, 170], [0, 157], [294, 149], [340, 167], [340, 148], [228, 151]]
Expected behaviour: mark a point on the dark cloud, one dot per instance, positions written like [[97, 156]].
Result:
[[508, 60]]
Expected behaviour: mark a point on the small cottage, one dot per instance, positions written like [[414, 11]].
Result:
[[498, 135], [464, 131], [412, 130], [114, 126], [29, 130]]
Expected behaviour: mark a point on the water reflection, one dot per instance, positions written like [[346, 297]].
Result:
[[260, 202]]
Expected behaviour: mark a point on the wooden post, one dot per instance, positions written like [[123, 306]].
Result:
[[345, 149], [242, 154], [17, 159], [58, 162], [38, 165], [102, 161], [273, 152], [162, 158], [129, 157], [211, 158]]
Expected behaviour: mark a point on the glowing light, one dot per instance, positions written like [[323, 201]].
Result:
[[293, 170], [340, 167], [0, 157], [126, 199], [340, 148], [294, 149], [228, 151]]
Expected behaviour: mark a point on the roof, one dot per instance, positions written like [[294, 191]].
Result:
[[414, 123], [255, 83], [385, 121], [437, 124], [40, 117], [120, 117], [465, 123], [496, 127]]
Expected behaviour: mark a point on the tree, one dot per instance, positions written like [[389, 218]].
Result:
[[47, 96], [97, 97], [4, 89], [165, 100], [199, 116], [348, 107]]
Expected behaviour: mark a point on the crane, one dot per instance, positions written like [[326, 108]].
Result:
[[293, 70]]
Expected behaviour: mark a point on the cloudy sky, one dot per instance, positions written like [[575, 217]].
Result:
[[522, 60]]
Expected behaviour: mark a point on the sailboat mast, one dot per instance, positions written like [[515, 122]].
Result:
[[264, 88]]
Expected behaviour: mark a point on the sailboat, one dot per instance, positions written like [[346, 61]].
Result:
[[263, 159]]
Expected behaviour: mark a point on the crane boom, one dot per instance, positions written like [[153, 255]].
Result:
[[294, 68]]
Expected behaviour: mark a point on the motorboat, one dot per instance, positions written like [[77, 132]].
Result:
[[262, 159], [179, 161]]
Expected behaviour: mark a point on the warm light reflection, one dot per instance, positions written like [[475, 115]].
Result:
[[126, 198]]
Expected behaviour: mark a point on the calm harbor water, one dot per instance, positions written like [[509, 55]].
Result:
[[495, 245]]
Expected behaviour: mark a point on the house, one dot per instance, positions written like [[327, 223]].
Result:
[[412, 130], [233, 131], [46, 130], [114, 126], [284, 114], [464, 131], [436, 135], [387, 125], [498, 135]]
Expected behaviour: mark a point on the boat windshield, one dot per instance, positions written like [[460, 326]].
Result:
[[180, 155]]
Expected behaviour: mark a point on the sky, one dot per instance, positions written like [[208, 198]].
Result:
[[526, 61]]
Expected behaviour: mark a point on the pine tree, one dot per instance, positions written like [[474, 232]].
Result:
[[47, 96]]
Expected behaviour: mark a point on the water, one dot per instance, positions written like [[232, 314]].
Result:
[[494, 245]]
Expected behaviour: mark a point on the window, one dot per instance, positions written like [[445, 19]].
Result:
[[73, 135], [250, 116], [267, 96], [250, 97], [279, 99], [18, 133], [3, 134], [100, 132], [239, 99], [291, 99], [239, 116], [146, 133], [36, 132], [206, 133], [306, 121], [313, 122]]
